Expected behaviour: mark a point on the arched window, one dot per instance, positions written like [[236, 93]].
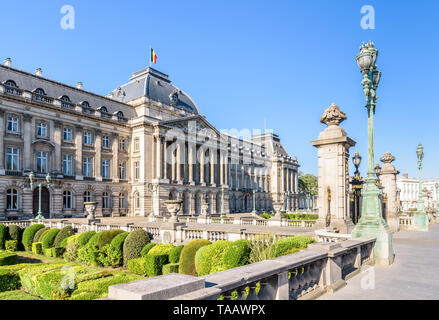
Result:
[[136, 200], [40, 91], [67, 200], [12, 199], [122, 201], [87, 196], [103, 109], [85, 104], [11, 83], [120, 116], [106, 200], [65, 98]]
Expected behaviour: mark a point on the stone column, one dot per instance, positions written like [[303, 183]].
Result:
[[165, 159], [227, 167], [27, 137], [333, 178], [202, 154], [78, 154], [115, 212], [191, 162], [2, 146], [221, 169], [212, 156], [98, 155], [192, 199], [236, 186], [115, 150], [57, 140], [158, 158], [179, 162], [388, 180]]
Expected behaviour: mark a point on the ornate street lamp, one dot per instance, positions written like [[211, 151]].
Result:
[[420, 217], [40, 186], [357, 185], [356, 160], [371, 222], [378, 173], [153, 188]]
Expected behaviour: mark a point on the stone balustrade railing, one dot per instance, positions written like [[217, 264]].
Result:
[[321, 268], [326, 236], [406, 222]]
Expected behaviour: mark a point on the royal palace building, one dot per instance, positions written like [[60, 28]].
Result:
[[144, 143]]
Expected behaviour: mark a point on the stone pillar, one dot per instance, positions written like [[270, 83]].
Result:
[[78, 154], [115, 150], [202, 154], [115, 212], [57, 140], [165, 159], [212, 156], [388, 180], [227, 168], [236, 186], [98, 155], [191, 162], [158, 158], [333, 179], [27, 137], [179, 161], [2, 146]]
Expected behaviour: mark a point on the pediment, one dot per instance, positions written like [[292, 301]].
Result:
[[195, 125], [43, 142]]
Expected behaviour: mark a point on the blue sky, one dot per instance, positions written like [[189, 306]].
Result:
[[248, 62]]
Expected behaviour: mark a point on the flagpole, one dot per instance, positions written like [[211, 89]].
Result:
[[150, 55]]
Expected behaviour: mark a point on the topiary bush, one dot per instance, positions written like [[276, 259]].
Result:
[[106, 237], [114, 251], [14, 232], [133, 245], [155, 263], [39, 234], [3, 235], [281, 247], [11, 245], [89, 254], [146, 249], [7, 258], [237, 254], [161, 248], [137, 266], [63, 234], [198, 256], [170, 268], [37, 248], [187, 257], [212, 258], [29, 234], [48, 238], [71, 246], [174, 254], [9, 280], [84, 238]]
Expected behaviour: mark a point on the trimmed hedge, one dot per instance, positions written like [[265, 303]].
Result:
[[137, 266], [187, 257], [237, 254], [48, 238], [161, 248], [9, 280], [282, 246], [63, 234], [39, 234], [17, 295], [115, 250], [14, 232], [84, 238], [212, 257], [146, 249], [7, 258], [174, 254], [54, 252], [37, 248], [133, 245], [11, 245], [3, 233], [71, 246], [29, 234], [90, 252], [170, 268], [155, 263], [198, 257], [106, 237]]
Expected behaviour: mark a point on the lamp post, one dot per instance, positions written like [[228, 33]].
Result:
[[40, 186], [153, 188], [371, 222], [378, 173], [420, 217], [357, 185]]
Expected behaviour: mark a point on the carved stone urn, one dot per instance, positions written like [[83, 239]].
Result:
[[277, 206], [173, 207], [204, 208], [90, 208]]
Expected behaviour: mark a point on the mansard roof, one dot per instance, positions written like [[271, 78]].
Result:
[[156, 86]]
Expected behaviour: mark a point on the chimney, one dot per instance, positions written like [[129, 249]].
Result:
[[8, 62], [39, 72], [79, 85]]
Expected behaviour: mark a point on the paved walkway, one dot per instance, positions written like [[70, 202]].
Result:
[[413, 275]]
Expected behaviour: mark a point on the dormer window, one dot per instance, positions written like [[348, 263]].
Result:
[[11, 83], [86, 107], [65, 98], [120, 116], [103, 109], [40, 91]]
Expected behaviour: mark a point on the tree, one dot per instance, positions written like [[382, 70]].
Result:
[[308, 183]]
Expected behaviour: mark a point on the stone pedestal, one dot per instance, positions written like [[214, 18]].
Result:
[[333, 178], [276, 220], [388, 180]]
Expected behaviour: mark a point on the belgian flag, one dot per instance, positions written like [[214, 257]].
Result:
[[153, 56]]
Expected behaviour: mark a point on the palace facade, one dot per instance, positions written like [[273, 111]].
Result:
[[409, 192], [144, 143]]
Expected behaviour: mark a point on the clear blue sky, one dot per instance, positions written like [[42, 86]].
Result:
[[246, 61]]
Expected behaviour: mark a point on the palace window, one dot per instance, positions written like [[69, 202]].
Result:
[[123, 170], [87, 196], [87, 138], [13, 124], [40, 91], [67, 165], [67, 200], [12, 199], [136, 144], [67, 134], [122, 144], [105, 141], [12, 159], [87, 167], [123, 201], [106, 201], [120, 116], [41, 162], [136, 200], [11, 83], [42, 130], [136, 170], [106, 169]]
